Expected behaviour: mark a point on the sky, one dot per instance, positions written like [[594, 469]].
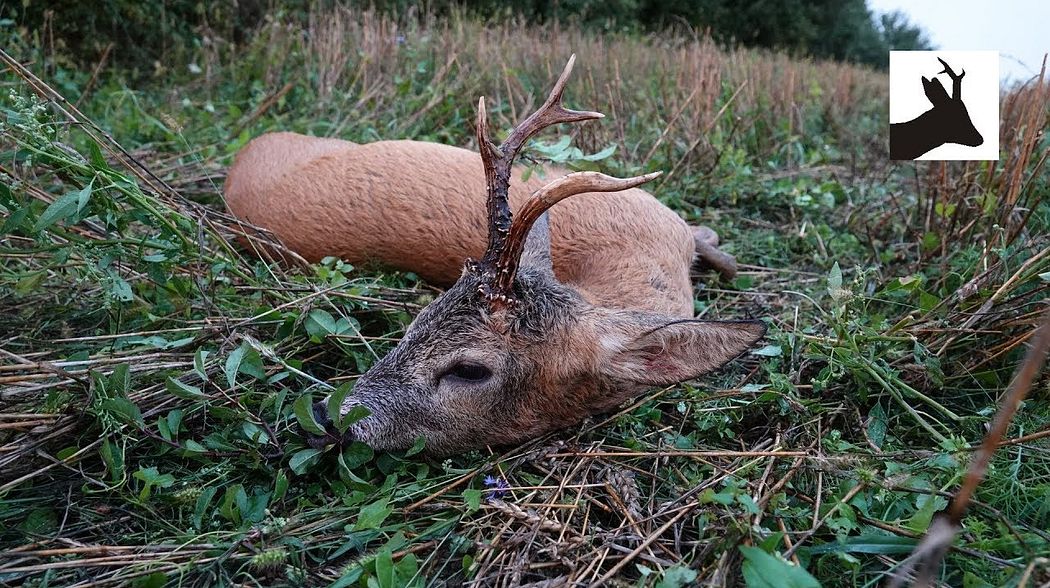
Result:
[[1018, 29]]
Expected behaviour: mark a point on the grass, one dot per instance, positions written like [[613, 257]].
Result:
[[151, 369]]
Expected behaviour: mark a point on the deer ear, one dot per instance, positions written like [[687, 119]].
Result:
[[537, 251], [935, 91], [659, 351]]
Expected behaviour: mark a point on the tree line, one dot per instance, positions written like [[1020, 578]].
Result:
[[150, 30]]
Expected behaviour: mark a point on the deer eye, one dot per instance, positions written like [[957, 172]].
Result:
[[467, 372]]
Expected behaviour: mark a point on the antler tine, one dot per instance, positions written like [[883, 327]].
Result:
[[551, 113], [956, 79], [540, 201], [499, 160]]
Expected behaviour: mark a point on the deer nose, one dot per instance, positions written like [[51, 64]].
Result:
[[331, 435]]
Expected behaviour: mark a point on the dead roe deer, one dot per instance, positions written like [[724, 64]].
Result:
[[561, 316]]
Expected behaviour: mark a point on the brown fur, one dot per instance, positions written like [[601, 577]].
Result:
[[419, 207]]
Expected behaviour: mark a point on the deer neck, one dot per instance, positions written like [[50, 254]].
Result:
[[923, 134]]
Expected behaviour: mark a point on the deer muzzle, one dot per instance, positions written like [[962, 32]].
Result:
[[331, 435]]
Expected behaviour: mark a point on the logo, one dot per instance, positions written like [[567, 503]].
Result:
[[929, 122]]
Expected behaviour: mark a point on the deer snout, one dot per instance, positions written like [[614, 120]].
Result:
[[331, 435]]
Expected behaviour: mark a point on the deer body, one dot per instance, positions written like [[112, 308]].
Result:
[[567, 312], [417, 207]]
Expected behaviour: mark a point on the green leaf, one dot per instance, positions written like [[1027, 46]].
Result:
[[183, 390], [356, 414], [95, 155], [835, 283], [762, 570], [61, 209], [335, 404], [419, 445], [83, 196], [472, 497], [877, 426], [174, 419], [676, 577], [385, 569], [202, 504], [320, 323], [120, 380], [254, 432], [151, 477], [869, 543], [769, 351], [303, 459], [304, 413], [604, 153], [41, 521], [233, 364], [154, 580], [114, 460], [372, 515], [357, 454], [280, 485], [407, 567], [30, 283], [124, 410], [199, 360]]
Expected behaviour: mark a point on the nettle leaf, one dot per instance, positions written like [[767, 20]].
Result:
[[419, 445], [763, 570], [117, 287], [114, 460], [304, 413]]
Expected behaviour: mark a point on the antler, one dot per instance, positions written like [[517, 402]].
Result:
[[544, 198], [498, 160], [956, 79], [507, 237]]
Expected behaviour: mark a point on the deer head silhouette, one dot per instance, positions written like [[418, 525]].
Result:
[[947, 122]]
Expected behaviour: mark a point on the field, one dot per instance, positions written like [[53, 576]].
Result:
[[152, 372]]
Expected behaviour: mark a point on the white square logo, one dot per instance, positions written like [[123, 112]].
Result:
[[944, 105]]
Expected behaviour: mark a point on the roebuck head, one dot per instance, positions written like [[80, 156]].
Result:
[[949, 116], [509, 352]]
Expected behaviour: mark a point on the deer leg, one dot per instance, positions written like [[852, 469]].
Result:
[[709, 256]]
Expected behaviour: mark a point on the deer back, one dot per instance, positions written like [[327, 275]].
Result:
[[418, 206]]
